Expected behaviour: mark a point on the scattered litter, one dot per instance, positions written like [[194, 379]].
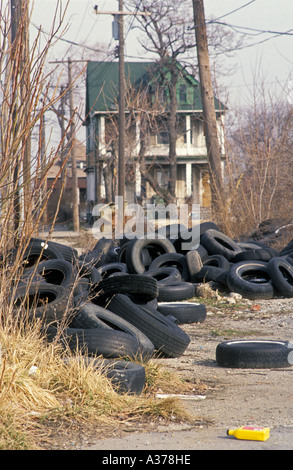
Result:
[[255, 308], [33, 370], [180, 396], [250, 433]]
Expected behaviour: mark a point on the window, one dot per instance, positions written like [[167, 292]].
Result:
[[162, 178], [182, 93], [163, 138]]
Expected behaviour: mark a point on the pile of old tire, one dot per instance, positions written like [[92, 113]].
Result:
[[128, 298], [107, 311], [252, 269]]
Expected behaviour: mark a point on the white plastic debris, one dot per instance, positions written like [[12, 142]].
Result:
[[180, 396], [33, 370]]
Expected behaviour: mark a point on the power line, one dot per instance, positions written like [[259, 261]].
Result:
[[234, 11], [73, 43], [259, 31]]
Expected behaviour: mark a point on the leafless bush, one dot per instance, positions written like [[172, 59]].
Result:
[[259, 166]]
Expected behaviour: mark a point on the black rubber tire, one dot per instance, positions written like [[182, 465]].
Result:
[[97, 342], [183, 240], [248, 245], [135, 284], [194, 264], [171, 231], [254, 354], [218, 261], [112, 255], [172, 260], [99, 255], [126, 377], [68, 253], [28, 278], [259, 254], [155, 247], [55, 271], [204, 226], [266, 247], [39, 250], [217, 243], [287, 249], [281, 273], [176, 292], [88, 272], [87, 277], [168, 339], [109, 268], [103, 245], [203, 253], [122, 251], [184, 312], [94, 316], [251, 279], [165, 275], [85, 315], [212, 274], [44, 301]]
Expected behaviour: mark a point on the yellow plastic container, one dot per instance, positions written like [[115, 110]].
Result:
[[250, 433]]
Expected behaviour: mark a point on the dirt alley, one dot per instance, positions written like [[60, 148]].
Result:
[[233, 397]]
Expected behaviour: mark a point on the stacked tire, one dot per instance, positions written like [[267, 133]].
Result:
[[129, 298]]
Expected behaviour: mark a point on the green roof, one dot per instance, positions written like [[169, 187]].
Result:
[[102, 85]]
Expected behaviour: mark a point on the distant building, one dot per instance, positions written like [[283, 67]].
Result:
[[102, 96], [54, 179]]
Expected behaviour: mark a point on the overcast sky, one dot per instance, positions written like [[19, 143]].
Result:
[[269, 56]]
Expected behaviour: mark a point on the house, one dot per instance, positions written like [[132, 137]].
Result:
[[102, 98]]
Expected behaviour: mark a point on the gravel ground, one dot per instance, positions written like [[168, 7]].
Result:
[[231, 397]]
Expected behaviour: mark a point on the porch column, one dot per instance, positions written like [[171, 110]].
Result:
[[188, 133], [188, 174], [137, 180], [102, 146], [137, 169]]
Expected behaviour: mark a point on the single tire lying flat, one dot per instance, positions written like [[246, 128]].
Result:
[[176, 292], [136, 284], [184, 312], [254, 354]]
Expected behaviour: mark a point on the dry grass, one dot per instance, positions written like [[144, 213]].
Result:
[[39, 390]]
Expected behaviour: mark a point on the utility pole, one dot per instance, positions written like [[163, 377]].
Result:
[[20, 86], [209, 113], [75, 190], [15, 21], [121, 154]]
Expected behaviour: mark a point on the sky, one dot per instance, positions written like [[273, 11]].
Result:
[[268, 57]]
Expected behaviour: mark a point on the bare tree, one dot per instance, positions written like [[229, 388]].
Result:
[[259, 157], [168, 35], [24, 167]]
